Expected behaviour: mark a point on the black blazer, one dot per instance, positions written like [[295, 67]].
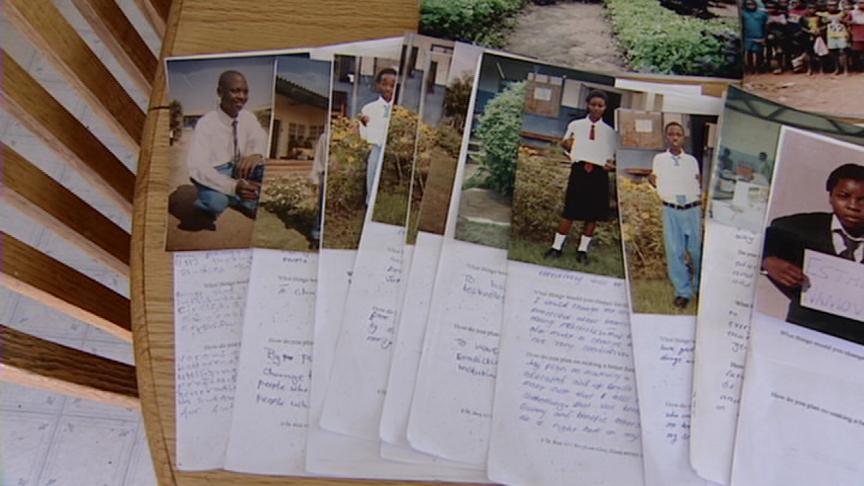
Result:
[[786, 238]]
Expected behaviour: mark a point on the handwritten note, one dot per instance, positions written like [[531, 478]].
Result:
[[337, 454], [209, 299], [362, 361], [452, 408], [730, 263], [835, 285], [663, 347], [565, 398], [268, 430]]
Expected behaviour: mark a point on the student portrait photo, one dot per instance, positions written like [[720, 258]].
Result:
[[363, 93], [565, 211], [590, 144], [825, 218], [218, 150], [663, 162]]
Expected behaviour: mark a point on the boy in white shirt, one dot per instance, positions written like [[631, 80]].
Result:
[[226, 159], [676, 177], [374, 120]]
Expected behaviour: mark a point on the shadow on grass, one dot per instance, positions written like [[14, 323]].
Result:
[[655, 296], [602, 260]]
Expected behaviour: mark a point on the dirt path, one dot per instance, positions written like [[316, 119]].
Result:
[[824, 93], [572, 34]]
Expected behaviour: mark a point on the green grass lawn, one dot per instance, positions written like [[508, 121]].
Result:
[[602, 260], [486, 234], [655, 296], [272, 232], [391, 207]]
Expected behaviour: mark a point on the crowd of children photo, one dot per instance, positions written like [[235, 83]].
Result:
[[812, 36]]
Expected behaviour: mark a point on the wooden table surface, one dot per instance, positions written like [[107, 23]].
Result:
[[212, 26]]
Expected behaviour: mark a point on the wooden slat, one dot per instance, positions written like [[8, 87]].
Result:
[[31, 273], [34, 362], [41, 197], [46, 27], [120, 36], [31, 104], [197, 26], [156, 13]]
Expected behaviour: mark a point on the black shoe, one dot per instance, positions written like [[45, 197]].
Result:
[[582, 257], [552, 253], [681, 302]]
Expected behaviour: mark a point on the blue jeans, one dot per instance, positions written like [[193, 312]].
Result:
[[372, 162], [215, 202], [682, 234]]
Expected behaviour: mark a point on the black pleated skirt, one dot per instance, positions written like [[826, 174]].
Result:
[[587, 195]]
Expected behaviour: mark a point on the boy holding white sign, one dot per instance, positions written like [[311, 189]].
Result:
[[839, 233]]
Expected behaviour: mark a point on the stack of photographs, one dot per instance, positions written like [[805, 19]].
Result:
[[502, 255]]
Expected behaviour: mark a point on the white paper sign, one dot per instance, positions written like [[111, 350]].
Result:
[[836, 285], [644, 125]]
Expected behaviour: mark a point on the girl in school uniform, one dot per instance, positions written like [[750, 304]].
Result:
[[590, 143]]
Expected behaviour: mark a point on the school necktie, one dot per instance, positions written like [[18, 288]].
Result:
[[677, 160], [591, 133], [850, 244], [236, 158]]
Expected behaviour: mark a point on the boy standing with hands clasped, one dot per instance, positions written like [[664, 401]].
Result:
[[675, 175], [374, 120]]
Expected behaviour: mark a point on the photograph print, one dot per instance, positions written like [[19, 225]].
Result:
[[806, 53], [292, 189], [812, 269], [362, 98], [393, 189], [663, 162], [218, 146]]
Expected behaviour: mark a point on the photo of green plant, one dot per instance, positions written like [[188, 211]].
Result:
[[487, 190]]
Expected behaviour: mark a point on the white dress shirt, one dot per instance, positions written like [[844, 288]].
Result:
[[213, 145], [596, 151], [677, 177], [375, 130], [840, 245]]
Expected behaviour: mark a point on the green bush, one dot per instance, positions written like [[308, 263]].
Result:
[[480, 21], [498, 131], [292, 198], [656, 39], [539, 199], [346, 174]]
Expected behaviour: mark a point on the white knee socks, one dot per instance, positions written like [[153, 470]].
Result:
[[559, 241], [584, 241]]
